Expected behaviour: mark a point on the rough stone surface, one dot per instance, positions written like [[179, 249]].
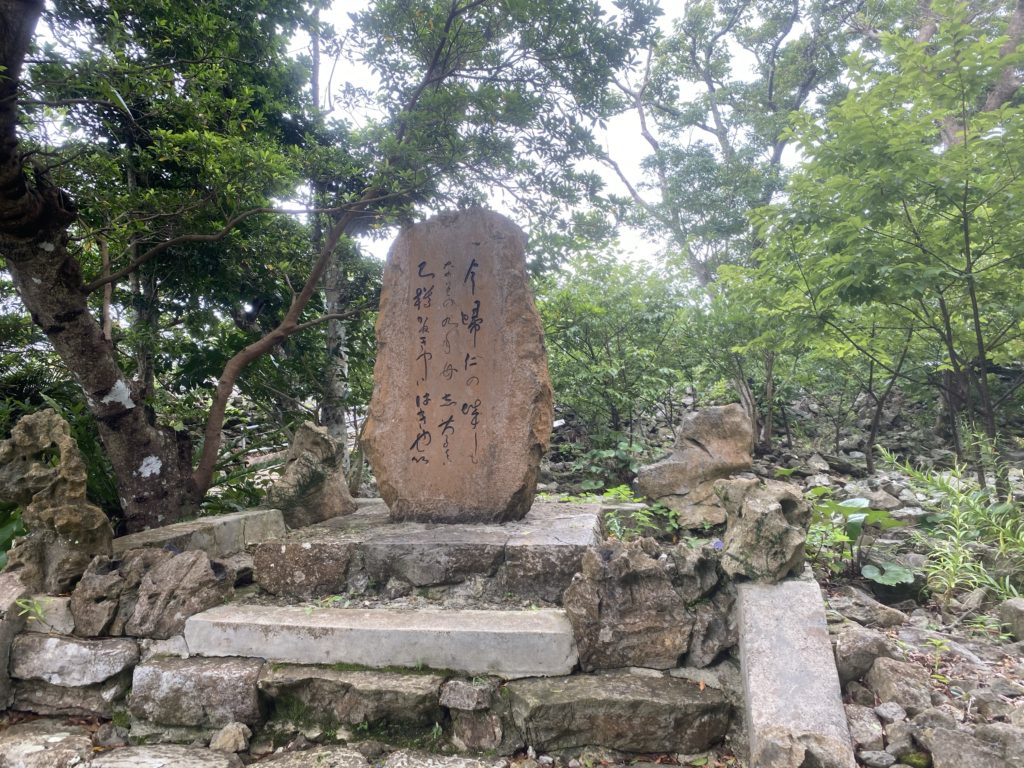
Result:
[[767, 528], [105, 598], [476, 731], [900, 681], [68, 661], [233, 737], [618, 710], [11, 623], [165, 756], [956, 749], [197, 692], [304, 569], [1011, 613], [624, 610], [858, 605], [714, 629], [695, 573], [794, 708], [534, 558], [56, 615], [44, 744], [462, 405], [408, 759], [503, 643], [354, 697], [184, 585], [468, 695], [65, 529], [865, 728], [856, 649], [97, 700], [217, 535], [711, 443], [319, 757], [312, 485]]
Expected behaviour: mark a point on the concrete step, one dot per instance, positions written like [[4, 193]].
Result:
[[508, 644]]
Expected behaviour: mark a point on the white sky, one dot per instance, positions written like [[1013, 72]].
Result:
[[621, 139]]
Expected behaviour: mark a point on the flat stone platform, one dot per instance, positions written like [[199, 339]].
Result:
[[217, 535], [508, 644], [534, 558]]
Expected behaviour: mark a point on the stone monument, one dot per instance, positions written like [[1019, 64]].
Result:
[[462, 404]]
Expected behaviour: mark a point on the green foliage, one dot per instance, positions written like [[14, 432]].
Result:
[[977, 539], [837, 539]]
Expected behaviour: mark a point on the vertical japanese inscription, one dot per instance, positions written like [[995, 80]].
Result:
[[447, 402]]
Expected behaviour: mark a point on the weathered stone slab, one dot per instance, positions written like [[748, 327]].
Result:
[[165, 756], [68, 661], [44, 744], [462, 404], [355, 696], [219, 535], [97, 700], [11, 623], [319, 757], [197, 692], [503, 643], [534, 558], [618, 710], [795, 712]]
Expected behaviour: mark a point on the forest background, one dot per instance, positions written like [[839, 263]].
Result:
[[834, 189]]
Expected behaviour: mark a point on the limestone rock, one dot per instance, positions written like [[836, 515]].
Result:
[[900, 681], [233, 737], [354, 697], [165, 756], [865, 728], [176, 589], [857, 648], [65, 529], [318, 757], [620, 711], [409, 759], [767, 528], [312, 485], [858, 605], [105, 598], [44, 744], [95, 700], [711, 443], [11, 623], [1011, 613], [476, 731], [68, 661], [695, 573], [957, 749], [462, 405], [468, 696], [304, 569], [624, 610], [714, 630], [197, 692]]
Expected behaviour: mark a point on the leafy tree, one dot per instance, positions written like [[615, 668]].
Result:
[[187, 121], [910, 200]]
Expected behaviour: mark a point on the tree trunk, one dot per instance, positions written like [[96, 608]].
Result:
[[153, 466]]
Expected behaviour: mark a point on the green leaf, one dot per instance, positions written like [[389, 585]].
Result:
[[889, 574]]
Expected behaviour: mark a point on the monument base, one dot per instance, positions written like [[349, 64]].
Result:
[[367, 553]]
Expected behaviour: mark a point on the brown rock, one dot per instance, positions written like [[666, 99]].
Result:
[[65, 530], [766, 531], [105, 598], [304, 569], [312, 486], [462, 405], [712, 443], [624, 611], [182, 586]]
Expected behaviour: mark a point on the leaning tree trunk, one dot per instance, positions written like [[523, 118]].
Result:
[[151, 464]]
